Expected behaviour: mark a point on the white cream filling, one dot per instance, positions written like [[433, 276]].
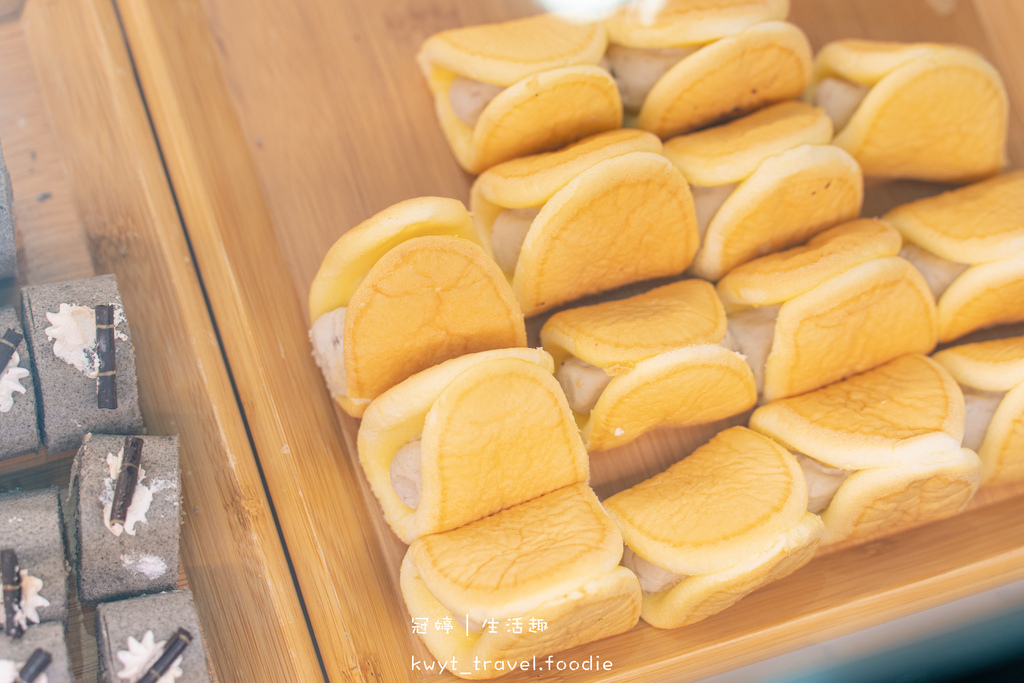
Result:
[[73, 332], [979, 408], [637, 70], [508, 234], [822, 482], [707, 201], [407, 472], [470, 97], [141, 655], [582, 383], [27, 610], [9, 670], [750, 333], [10, 382], [328, 338], [142, 498], [840, 99], [937, 271], [653, 579]]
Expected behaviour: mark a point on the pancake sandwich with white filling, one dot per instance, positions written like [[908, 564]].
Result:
[[969, 245], [839, 305], [765, 182], [467, 438], [881, 451], [720, 523], [683, 65], [553, 560], [601, 213], [652, 360], [991, 375], [914, 110], [502, 91], [374, 305]]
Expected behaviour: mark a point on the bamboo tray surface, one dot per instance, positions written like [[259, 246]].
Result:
[[284, 124], [92, 196]]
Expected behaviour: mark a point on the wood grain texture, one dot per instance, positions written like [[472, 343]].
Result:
[[286, 124], [313, 485], [86, 142], [50, 240]]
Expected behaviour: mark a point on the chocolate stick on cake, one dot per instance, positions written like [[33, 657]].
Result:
[[8, 344], [175, 646], [106, 380], [12, 591], [35, 666], [128, 477]]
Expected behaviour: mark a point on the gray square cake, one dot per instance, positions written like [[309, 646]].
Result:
[[60, 324], [162, 614], [19, 429], [8, 252], [49, 637], [143, 557], [31, 524]]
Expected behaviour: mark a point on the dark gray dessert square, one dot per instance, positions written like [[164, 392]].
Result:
[[8, 252], [49, 637], [31, 524], [66, 392], [163, 614], [110, 567], [19, 429]]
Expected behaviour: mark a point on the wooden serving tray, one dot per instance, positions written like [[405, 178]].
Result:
[[281, 125]]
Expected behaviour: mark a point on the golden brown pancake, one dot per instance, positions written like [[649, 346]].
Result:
[[726, 519], [553, 560], [772, 182], [607, 211], [969, 244], [858, 422], [991, 374], [487, 431], [895, 432], [777, 278], [661, 355], [541, 76], [880, 501], [932, 112], [843, 315], [376, 317], [732, 151], [706, 62], [688, 22]]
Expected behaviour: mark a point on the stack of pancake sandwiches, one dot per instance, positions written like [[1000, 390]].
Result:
[[706, 265]]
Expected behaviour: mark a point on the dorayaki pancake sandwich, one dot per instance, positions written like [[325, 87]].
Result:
[[553, 561], [841, 304], [683, 65], [599, 214], [652, 360], [467, 438], [374, 305], [991, 375], [914, 110], [765, 182], [506, 90], [881, 451], [715, 526], [969, 245]]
